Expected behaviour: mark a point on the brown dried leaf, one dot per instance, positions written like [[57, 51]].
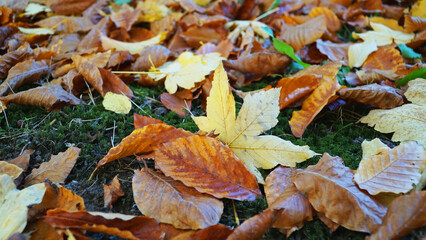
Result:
[[391, 170], [68, 7], [385, 58], [22, 160], [254, 227], [412, 24], [112, 192], [263, 63], [25, 72], [303, 34], [281, 193], [5, 14], [318, 98], [373, 94], [124, 226], [10, 59], [195, 160], [125, 18], [171, 202], [175, 104], [141, 121], [336, 52], [57, 169], [156, 55], [66, 24], [330, 189], [332, 21], [391, 23], [93, 38], [112, 83], [10, 169], [143, 140], [197, 35], [404, 214], [51, 97]]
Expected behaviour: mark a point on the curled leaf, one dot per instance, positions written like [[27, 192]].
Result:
[[336, 52], [112, 192], [374, 95]]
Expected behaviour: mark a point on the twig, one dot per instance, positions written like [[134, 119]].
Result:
[[5, 116]]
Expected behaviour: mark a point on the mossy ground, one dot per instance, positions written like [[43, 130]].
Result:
[[95, 130]]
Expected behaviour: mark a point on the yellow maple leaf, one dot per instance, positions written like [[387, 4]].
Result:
[[258, 114], [13, 205], [117, 103], [187, 70], [407, 121]]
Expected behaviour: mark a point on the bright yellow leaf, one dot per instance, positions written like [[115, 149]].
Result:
[[358, 53], [133, 48], [419, 9], [258, 114], [152, 11], [13, 205], [117, 103]]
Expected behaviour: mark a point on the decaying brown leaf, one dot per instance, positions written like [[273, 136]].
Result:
[[154, 56], [10, 59], [373, 94], [112, 192], [175, 104], [124, 226], [332, 21], [57, 169], [330, 189], [207, 165], [251, 62], [67, 7], [66, 24], [336, 52], [172, 202]]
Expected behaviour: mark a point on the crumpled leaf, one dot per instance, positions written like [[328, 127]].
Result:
[[332, 21], [276, 63], [172, 202], [391, 170], [303, 34], [124, 226], [358, 52], [385, 58], [22, 160], [117, 103], [373, 94], [281, 193], [336, 52], [330, 189], [22, 73], [239, 27], [404, 214], [156, 55], [125, 17], [10, 59], [57, 169], [383, 35], [195, 160], [66, 24], [143, 140], [10, 169], [14, 202], [112, 192], [405, 120], [51, 97], [319, 97], [133, 48], [258, 114], [187, 70], [68, 7]]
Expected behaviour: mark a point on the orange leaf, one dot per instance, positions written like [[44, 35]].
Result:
[[385, 58], [373, 94], [281, 193], [126, 17], [175, 104], [388, 22], [51, 97], [330, 189], [404, 214], [68, 7], [303, 34], [171, 202], [337, 52], [412, 24], [10, 169], [112, 83], [251, 63], [293, 89], [22, 160], [318, 98], [141, 121], [207, 165], [142, 140], [93, 38], [112, 192], [25, 72], [332, 21], [57, 169], [124, 226], [371, 6]]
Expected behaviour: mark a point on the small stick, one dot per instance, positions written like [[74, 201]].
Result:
[[237, 220]]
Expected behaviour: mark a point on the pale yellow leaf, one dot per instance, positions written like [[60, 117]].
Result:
[[241, 26], [10, 169], [371, 147], [117, 103], [419, 9], [133, 48], [358, 52], [383, 35], [37, 31], [14, 203], [391, 170], [416, 92], [152, 11], [34, 8], [258, 114]]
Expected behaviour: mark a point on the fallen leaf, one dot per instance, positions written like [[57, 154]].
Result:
[[141, 121], [391, 170], [187, 70], [332, 21], [215, 232], [418, 9], [51, 97], [117, 103], [66, 24], [151, 57], [125, 17], [319, 97], [37, 31], [133, 48], [22, 73], [373, 94], [112, 192], [276, 63], [358, 52], [258, 114], [405, 120], [371, 147], [408, 52], [336, 52], [419, 73], [14, 203], [281, 193], [152, 11], [239, 27], [303, 34], [120, 225], [175, 104], [383, 35], [10, 169], [388, 22], [172, 202], [329, 187], [10, 59], [142, 140], [385, 58], [22, 160], [404, 214], [34, 8], [412, 23], [195, 160], [57, 169]]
